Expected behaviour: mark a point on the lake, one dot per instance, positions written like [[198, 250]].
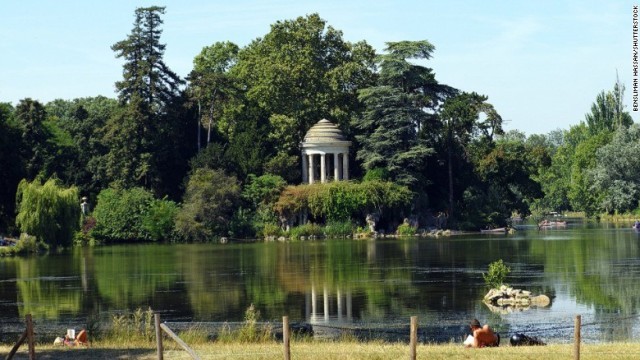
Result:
[[373, 286]]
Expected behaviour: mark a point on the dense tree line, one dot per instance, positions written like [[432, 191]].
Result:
[[209, 155]]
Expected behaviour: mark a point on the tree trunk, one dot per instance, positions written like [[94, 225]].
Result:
[[199, 124], [449, 155]]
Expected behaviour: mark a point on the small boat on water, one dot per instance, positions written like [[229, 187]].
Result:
[[546, 224], [7, 241], [502, 230]]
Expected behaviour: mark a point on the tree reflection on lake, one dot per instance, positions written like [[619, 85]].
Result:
[[589, 270]]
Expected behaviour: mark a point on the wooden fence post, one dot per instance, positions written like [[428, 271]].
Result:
[[576, 338], [184, 345], [413, 338], [160, 350], [286, 338], [30, 339]]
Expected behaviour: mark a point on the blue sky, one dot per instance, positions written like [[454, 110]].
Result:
[[541, 63]]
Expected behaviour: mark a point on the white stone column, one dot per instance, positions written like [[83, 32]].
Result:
[[345, 166], [311, 169], [339, 298], [323, 169], [336, 172], [326, 304], [305, 169]]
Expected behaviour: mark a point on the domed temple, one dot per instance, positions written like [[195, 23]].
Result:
[[321, 141]]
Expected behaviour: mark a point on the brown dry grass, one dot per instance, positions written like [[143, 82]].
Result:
[[332, 351]]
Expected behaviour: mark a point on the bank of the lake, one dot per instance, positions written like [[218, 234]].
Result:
[[333, 351], [588, 269]]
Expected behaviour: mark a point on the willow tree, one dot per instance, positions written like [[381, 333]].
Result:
[[48, 211]]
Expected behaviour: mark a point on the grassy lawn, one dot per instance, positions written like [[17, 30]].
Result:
[[329, 351]]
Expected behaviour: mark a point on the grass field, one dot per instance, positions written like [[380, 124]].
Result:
[[330, 351]]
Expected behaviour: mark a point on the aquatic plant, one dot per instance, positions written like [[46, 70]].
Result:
[[497, 274]]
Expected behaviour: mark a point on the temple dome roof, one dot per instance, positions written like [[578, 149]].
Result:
[[324, 131]]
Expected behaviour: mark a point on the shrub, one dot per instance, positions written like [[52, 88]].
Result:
[[249, 331], [208, 205], [338, 229], [264, 189], [405, 229], [342, 200], [27, 244], [307, 230], [132, 326], [159, 220], [270, 229], [84, 237], [120, 214], [497, 274]]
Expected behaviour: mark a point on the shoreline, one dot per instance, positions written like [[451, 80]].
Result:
[[329, 351]]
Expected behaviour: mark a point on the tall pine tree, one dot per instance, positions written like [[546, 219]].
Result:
[[138, 134], [397, 109]]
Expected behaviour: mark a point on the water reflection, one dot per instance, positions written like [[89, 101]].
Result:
[[589, 270]]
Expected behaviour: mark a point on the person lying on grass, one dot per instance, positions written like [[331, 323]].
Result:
[[483, 336]]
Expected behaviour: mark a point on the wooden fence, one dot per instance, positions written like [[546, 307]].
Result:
[[26, 335], [162, 327]]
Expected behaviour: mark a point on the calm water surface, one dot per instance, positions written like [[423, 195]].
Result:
[[591, 270]]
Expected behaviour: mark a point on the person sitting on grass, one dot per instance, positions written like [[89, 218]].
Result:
[[81, 339], [483, 336]]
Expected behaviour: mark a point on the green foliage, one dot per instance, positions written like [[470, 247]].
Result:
[[496, 275], [132, 327], [48, 211], [84, 236], [263, 189], [342, 200], [270, 229], [159, 220], [334, 229], [120, 215], [395, 111], [27, 244], [616, 175], [581, 194], [145, 141], [306, 230], [607, 112], [284, 165], [376, 174], [77, 128], [303, 70], [35, 150], [506, 174], [11, 171], [242, 224], [250, 331], [208, 206], [405, 229]]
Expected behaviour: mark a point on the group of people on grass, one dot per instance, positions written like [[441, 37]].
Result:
[[484, 336]]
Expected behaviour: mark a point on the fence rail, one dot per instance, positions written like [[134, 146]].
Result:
[[162, 327]]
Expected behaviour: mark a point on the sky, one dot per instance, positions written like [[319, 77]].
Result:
[[541, 63]]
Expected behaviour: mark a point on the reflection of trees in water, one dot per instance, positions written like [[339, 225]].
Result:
[[131, 277], [44, 294], [213, 280], [601, 268]]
